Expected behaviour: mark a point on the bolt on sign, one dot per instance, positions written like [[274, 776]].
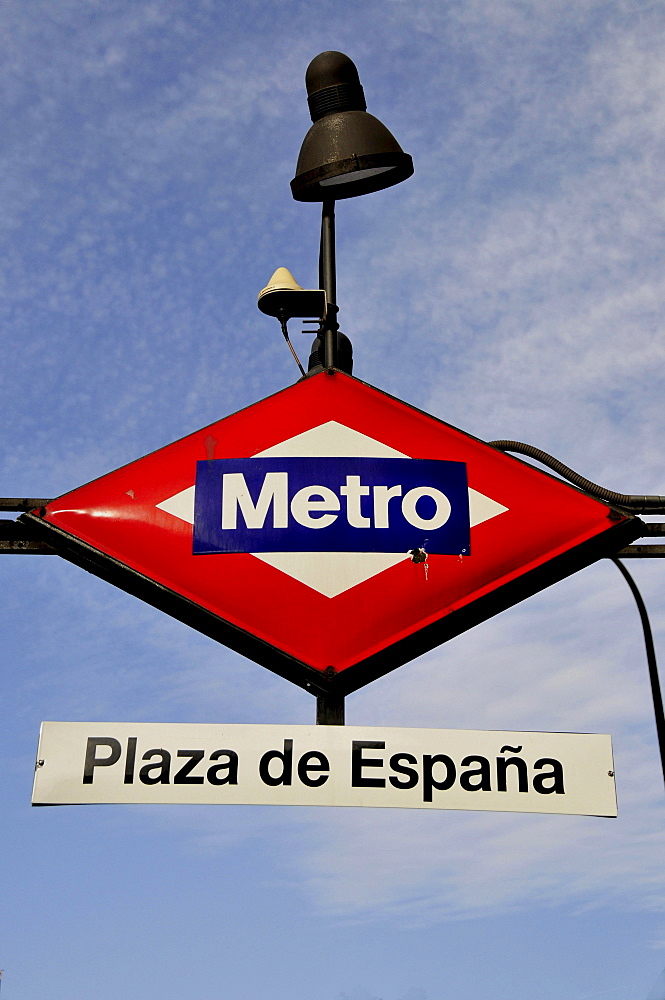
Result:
[[82, 762], [331, 532]]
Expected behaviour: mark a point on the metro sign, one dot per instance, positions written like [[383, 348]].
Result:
[[331, 532], [252, 505]]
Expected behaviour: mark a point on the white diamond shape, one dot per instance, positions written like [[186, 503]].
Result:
[[331, 573], [180, 505], [330, 440], [482, 508]]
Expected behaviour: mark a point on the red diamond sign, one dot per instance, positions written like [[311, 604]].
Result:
[[331, 532]]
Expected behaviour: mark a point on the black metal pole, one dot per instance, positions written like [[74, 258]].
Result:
[[327, 264], [651, 661], [329, 707], [330, 710], [328, 281]]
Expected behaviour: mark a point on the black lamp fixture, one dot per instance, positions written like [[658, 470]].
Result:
[[347, 152]]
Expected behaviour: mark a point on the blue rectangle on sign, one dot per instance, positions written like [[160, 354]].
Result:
[[331, 505]]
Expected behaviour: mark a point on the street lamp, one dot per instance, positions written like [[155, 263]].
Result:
[[347, 152]]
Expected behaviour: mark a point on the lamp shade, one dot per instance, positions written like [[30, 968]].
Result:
[[347, 152]]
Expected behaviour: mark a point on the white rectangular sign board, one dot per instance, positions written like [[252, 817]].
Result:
[[81, 762]]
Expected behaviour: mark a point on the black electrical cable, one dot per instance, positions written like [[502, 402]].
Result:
[[651, 660], [282, 322], [634, 502]]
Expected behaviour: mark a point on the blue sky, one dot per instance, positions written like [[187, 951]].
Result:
[[513, 287]]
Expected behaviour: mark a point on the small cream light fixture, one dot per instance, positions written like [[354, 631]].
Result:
[[284, 298]]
